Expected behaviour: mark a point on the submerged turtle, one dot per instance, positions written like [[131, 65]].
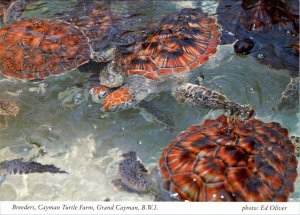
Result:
[[266, 29], [162, 59], [39, 48], [222, 159]]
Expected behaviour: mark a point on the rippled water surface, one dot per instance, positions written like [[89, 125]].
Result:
[[60, 124]]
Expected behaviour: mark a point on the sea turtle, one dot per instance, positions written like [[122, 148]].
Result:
[[162, 59], [222, 159], [39, 48], [267, 30], [7, 108]]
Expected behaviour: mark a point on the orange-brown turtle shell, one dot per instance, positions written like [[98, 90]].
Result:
[[225, 160], [183, 42], [38, 48]]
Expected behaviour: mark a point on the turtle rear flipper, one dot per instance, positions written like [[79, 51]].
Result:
[[201, 96], [120, 186], [134, 175], [18, 166], [152, 113], [14, 11], [296, 141], [290, 96]]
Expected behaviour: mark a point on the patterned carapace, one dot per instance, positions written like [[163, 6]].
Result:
[[263, 15], [182, 42], [230, 160], [96, 21], [38, 48]]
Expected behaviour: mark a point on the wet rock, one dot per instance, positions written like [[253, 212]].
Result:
[[244, 46]]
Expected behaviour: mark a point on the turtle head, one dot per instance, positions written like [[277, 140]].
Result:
[[133, 173], [103, 56], [112, 76]]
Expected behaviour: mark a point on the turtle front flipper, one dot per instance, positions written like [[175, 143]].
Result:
[[203, 97], [296, 141], [290, 96], [18, 166], [15, 11], [152, 113], [99, 93], [119, 99], [134, 175]]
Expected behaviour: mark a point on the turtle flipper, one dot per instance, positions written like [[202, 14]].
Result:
[[119, 99], [203, 97], [15, 11], [18, 166], [120, 186], [290, 96], [296, 141], [99, 93], [134, 175], [151, 112]]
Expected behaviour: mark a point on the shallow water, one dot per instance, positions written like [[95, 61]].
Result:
[[64, 127]]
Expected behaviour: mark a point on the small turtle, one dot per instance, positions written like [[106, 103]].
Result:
[[267, 30], [7, 108], [162, 59], [222, 159]]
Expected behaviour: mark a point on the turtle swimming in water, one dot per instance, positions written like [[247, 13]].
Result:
[[269, 31], [39, 48], [222, 159], [161, 60]]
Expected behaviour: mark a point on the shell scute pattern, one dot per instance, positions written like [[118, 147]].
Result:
[[230, 160], [36, 49], [183, 42], [97, 23]]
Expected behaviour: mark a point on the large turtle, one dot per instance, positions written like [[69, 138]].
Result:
[[267, 30], [162, 59], [39, 48], [221, 159]]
